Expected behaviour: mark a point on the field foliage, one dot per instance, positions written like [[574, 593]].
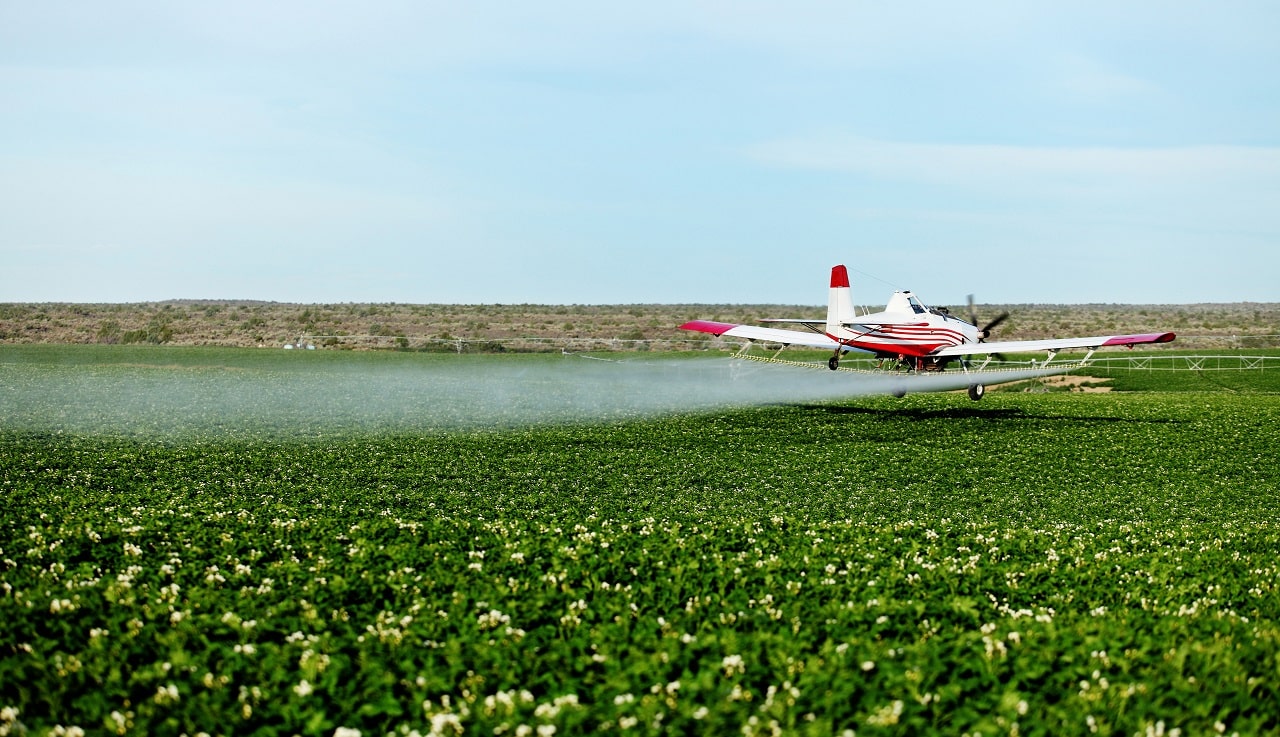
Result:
[[1031, 564]]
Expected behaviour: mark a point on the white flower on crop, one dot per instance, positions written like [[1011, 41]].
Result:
[[303, 688], [132, 550], [733, 664], [491, 619], [346, 732], [868, 664], [546, 730], [166, 694], [701, 712], [886, 715], [9, 714], [445, 720], [246, 648]]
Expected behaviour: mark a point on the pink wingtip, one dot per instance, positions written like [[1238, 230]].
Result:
[[708, 326], [1140, 339], [839, 277]]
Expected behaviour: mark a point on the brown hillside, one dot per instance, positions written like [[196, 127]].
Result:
[[438, 326]]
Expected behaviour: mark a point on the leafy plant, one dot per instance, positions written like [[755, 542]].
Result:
[[1038, 564]]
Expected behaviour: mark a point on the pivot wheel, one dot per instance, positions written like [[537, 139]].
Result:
[[976, 391]]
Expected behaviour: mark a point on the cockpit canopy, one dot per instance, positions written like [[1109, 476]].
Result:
[[905, 302]]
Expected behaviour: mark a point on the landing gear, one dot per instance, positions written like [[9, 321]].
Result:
[[976, 391], [833, 363]]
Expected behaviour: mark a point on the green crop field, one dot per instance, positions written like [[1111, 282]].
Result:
[[222, 541]]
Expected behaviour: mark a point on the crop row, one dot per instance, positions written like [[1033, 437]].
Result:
[[1034, 564]]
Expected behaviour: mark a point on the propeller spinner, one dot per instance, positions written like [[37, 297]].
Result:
[[985, 331]]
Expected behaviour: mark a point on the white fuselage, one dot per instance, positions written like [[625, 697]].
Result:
[[905, 327]]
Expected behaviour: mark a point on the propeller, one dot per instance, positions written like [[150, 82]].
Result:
[[985, 331]]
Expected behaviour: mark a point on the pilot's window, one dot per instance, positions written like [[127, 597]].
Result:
[[916, 306]]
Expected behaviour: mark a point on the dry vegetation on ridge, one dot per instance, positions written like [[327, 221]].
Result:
[[426, 326]]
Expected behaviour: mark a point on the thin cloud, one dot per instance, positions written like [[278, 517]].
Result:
[[1088, 78], [1019, 170]]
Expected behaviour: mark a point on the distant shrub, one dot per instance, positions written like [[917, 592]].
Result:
[[156, 332], [109, 332]]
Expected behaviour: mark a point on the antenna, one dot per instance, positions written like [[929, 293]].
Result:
[[869, 275]]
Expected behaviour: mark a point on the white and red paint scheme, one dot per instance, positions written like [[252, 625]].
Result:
[[921, 337]]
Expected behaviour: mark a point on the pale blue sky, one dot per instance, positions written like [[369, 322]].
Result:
[[587, 152]]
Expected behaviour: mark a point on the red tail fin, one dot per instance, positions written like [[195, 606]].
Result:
[[839, 276], [839, 301]]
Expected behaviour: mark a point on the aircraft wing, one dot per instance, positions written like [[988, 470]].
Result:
[[820, 325], [752, 332], [1052, 344]]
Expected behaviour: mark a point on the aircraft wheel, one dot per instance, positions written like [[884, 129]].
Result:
[[833, 363], [976, 391], [899, 393]]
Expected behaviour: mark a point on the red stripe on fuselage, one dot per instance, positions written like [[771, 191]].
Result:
[[880, 343], [919, 339], [914, 331]]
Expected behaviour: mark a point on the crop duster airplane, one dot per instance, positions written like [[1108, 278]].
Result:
[[920, 339]]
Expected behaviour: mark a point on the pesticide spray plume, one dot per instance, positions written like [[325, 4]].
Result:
[[313, 399]]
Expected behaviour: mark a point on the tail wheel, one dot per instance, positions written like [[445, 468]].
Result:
[[976, 391]]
